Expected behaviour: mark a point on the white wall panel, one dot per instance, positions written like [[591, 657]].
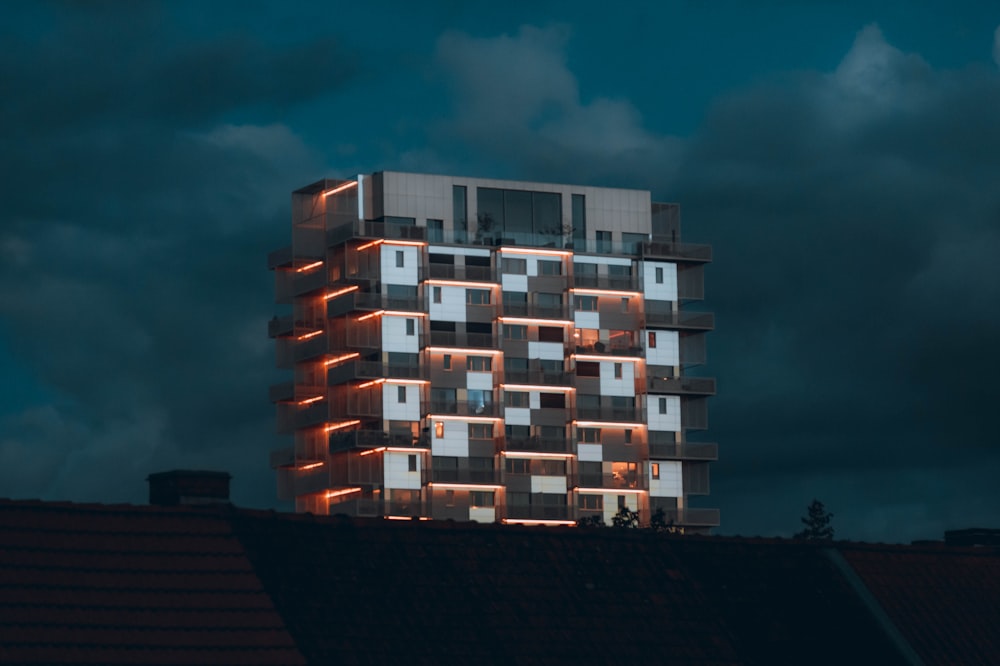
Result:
[[479, 380], [548, 484], [667, 350], [549, 351], [452, 305], [517, 415], [590, 452], [483, 514], [671, 421], [455, 441], [393, 409], [611, 505], [665, 291], [620, 387], [670, 483], [587, 319], [514, 282], [392, 274], [394, 337], [397, 474]]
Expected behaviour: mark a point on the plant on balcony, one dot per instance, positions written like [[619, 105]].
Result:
[[591, 521], [625, 518]]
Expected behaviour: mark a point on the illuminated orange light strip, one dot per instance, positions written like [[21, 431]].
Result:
[[615, 491], [306, 336], [338, 359], [369, 316], [407, 518], [526, 521], [341, 188], [604, 292], [533, 454], [340, 426], [406, 449], [608, 424], [403, 242], [309, 267], [609, 358], [340, 292], [371, 451], [309, 401], [339, 493], [371, 383], [474, 419], [370, 244], [463, 283], [402, 313], [466, 486], [533, 387], [463, 350], [390, 380], [531, 320], [310, 466], [549, 253]]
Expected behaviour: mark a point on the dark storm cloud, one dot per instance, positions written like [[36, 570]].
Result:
[[136, 222], [855, 221]]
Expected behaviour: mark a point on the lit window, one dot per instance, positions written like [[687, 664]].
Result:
[[652, 340], [410, 327], [411, 462], [399, 258], [447, 362], [659, 275], [401, 394], [655, 470], [618, 370], [663, 405], [436, 294], [439, 429]]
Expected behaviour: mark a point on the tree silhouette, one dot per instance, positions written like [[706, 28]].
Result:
[[591, 521], [817, 523], [625, 518]]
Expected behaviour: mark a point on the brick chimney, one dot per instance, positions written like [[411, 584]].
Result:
[[182, 486]]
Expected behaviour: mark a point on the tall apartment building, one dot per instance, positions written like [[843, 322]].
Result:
[[490, 350]]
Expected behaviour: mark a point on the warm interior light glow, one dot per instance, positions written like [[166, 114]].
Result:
[[340, 493], [370, 244], [341, 425], [535, 387], [370, 315], [604, 292], [535, 454], [310, 466], [371, 451], [609, 358], [306, 336], [532, 320], [524, 250], [309, 401], [526, 521], [607, 424], [463, 350], [371, 383], [464, 283], [341, 358], [340, 292], [341, 188], [309, 267]]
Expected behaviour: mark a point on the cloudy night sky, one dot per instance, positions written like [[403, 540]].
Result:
[[843, 158]]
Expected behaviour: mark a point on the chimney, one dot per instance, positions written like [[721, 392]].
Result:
[[183, 486]]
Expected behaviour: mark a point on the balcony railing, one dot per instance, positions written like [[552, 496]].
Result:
[[684, 451], [539, 444], [683, 251], [627, 414], [292, 416], [281, 326], [626, 282], [461, 408], [610, 350], [462, 339], [681, 385], [632, 480], [371, 439], [472, 476], [375, 508], [536, 310], [539, 377], [704, 321], [369, 229], [470, 273], [538, 512]]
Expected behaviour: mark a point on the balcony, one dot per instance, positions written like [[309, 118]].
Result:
[[538, 512], [361, 300], [461, 408], [538, 377], [620, 282], [607, 413], [340, 232], [373, 508], [467, 273], [692, 517], [279, 258], [610, 349], [700, 321], [536, 310], [539, 444], [631, 480], [281, 326], [346, 372], [293, 417], [676, 251], [463, 339], [313, 280], [681, 385], [683, 451], [371, 439], [471, 476]]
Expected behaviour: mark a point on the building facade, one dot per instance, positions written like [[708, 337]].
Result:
[[487, 350]]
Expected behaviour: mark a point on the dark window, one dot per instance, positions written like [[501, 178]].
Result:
[[411, 461], [628, 436], [514, 363], [659, 275], [632, 242], [477, 296], [410, 327], [441, 258], [663, 405], [459, 213], [400, 394], [516, 399], [483, 328], [436, 294], [481, 498], [588, 369], [588, 436], [616, 270], [548, 267], [618, 370], [435, 231], [586, 303], [547, 300], [592, 502], [580, 268], [552, 400], [515, 297], [550, 334], [515, 332], [554, 467], [579, 220], [479, 363], [481, 431], [517, 431], [518, 466], [514, 266], [604, 241], [447, 362], [439, 325], [477, 261], [400, 258]]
